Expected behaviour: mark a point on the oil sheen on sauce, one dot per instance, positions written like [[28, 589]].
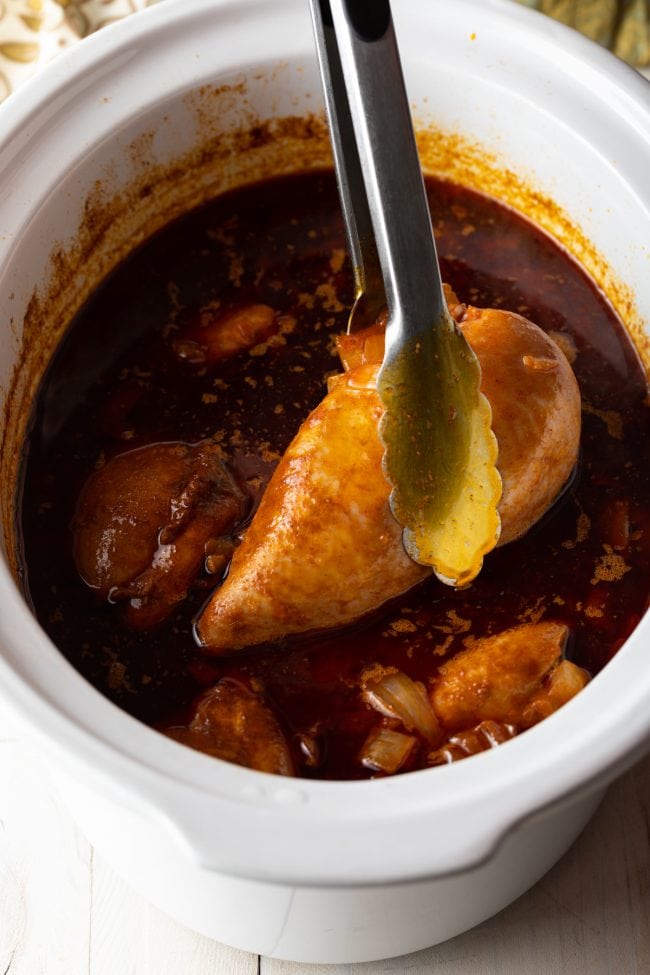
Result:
[[118, 382]]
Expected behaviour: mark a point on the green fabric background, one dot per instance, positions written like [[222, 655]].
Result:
[[621, 25]]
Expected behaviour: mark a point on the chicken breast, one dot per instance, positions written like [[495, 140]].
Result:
[[324, 549]]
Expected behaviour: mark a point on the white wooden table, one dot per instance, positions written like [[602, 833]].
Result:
[[63, 911]]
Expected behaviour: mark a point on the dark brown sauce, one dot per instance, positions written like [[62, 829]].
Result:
[[115, 384]]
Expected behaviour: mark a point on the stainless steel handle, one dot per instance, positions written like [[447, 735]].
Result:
[[356, 211], [388, 154]]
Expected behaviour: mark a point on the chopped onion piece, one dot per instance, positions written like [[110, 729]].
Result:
[[445, 755], [496, 732], [486, 735], [397, 696], [385, 750], [310, 750]]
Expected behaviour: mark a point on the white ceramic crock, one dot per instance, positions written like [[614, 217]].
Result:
[[319, 871]]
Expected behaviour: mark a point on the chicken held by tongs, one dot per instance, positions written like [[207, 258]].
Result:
[[324, 549]]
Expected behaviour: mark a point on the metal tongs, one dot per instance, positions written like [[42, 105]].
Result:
[[440, 457]]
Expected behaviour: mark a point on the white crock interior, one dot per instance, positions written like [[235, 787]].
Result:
[[556, 109]]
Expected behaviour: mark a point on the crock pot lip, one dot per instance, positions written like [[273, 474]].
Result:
[[124, 769]]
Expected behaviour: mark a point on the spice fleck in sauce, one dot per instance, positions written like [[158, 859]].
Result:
[[127, 375]]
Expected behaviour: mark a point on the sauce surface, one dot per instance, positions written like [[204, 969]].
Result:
[[125, 377]]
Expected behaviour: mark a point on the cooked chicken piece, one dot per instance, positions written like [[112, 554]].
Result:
[[360, 348], [233, 723], [517, 677], [324, 548], [223, 334], [143, 521]]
